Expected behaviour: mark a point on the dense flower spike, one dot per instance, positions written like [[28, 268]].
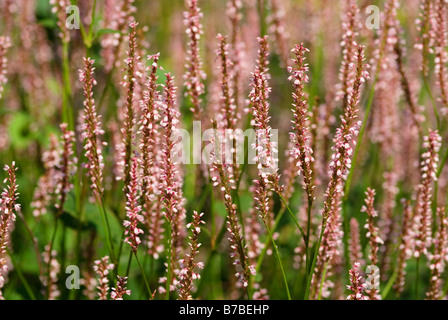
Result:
[[357, 285], [437, 265], [171, 180], [405, 247], [237, 244], [149, 141], [47, 182], [8, 210], [59, 8], [354, 243], [266, 148], [301, 152], [117, 16], [5, 43], [66, 167], [349, 34], [187, 274], [341, 160], [50, 281], [424, 25], [228, 127], [428, 170], [440, 50], [133, 208], [237, 50], [102, 268], [120, 290], [194, 75], [227, 116], [59, 163], [372, 235], [91, 130], [129, 82], [278, 29]]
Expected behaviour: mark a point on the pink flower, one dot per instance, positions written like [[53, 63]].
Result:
[[91, 130]]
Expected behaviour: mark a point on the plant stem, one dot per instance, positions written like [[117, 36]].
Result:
[[129, 264], [417, 277], [389, 285], [293, 217], [268, 242], [279, 260], [21, 276], [168, 277], [313, 265], [144, 275], [106, 227]]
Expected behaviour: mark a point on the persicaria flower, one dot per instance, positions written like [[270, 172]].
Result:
[[91, 130], [5, 43], [187, 274], [102, 268], [8, 209], [133, 208], [120, 290], [356, 284]]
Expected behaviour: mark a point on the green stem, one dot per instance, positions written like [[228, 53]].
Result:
[[268, 242], [433, 101], [360, 136], [313, 265], [324, 275], [144, 275], [293, 217], [168, 277], [67, 111], [389, 285], [128, 268], [417, 277], [277, 254], [106, 227], [21, 276]]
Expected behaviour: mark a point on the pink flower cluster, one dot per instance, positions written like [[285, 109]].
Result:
[[91, 130]]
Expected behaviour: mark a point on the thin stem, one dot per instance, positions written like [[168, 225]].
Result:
[[21, 276], [129, 264], [417, 277], [313, 265], [34, 240], [106, 227], [322, 281], [168, 277], [293, 217], [433, 101], [144, 275], [389, 285], [279, 260], [268, 242]]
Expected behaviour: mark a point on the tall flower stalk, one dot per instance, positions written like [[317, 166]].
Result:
[[300, 136], [188, 273], [238, 247], [194, 75], [5, 43], [373, 236], [129, 83], [171, 183], [344, 139], [8, 210], [149, 141], [91, 132]]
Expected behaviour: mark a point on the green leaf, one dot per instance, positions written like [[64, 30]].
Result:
[[74, 223], [106, 31], [19, 130], [48, 23]]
